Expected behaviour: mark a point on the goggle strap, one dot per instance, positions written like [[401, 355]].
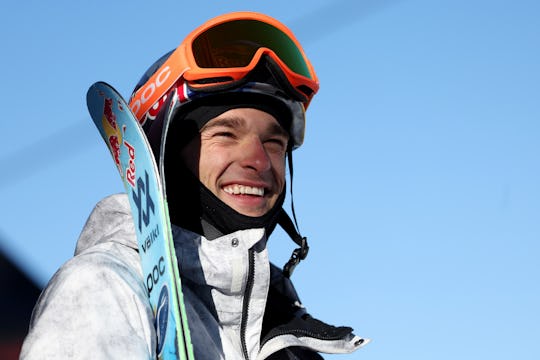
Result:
[[158, 84]]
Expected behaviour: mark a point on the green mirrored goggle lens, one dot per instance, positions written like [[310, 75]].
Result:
[[233, 44]]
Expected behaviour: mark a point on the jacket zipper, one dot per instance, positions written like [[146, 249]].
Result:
[[245, 305], [320, 334]]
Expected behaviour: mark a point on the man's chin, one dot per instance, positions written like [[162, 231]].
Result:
[[252, 206], [251, 211]]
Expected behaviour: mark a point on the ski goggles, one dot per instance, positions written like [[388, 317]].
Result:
[[224, 50]]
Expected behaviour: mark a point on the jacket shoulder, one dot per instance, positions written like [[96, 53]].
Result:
[[95, 306]]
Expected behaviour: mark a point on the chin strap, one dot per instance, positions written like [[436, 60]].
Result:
[[298, 254], [292, 230]]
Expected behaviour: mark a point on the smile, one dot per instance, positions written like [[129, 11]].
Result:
[[237, 189]]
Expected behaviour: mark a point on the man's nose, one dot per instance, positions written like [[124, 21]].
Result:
[[254, 155]]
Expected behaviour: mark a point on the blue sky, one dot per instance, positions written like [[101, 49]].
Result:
[[418, 184]]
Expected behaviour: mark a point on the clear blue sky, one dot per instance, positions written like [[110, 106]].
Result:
[[418, 185]]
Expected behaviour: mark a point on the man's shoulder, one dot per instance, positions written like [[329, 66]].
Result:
[[109, 221], [107, 247]]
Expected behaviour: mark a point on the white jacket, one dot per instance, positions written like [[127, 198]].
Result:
[[96, 307]]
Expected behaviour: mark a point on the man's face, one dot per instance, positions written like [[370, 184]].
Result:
[[240, 157]]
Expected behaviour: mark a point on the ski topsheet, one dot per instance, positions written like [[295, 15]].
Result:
[[134, 159]]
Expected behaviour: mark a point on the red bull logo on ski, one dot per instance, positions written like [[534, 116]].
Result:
[[131, 175], [114, 146], [108, 113], [113, 134]]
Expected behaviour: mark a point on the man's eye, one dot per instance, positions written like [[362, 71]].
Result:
[[226, 134], [277, 142]]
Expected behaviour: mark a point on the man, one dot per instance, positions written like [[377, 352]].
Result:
[[222, 113]]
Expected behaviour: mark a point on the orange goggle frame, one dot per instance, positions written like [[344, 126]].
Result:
[[225, 49]]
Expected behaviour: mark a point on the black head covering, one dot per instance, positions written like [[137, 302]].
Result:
[[191, 204]]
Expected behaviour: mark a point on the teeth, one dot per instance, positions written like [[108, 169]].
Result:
[[244, 190]]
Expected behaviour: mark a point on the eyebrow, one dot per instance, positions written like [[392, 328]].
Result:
[[231, 122], [235, 122], [277, 129]]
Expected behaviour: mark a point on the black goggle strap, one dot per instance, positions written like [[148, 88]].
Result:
[[292, 230]]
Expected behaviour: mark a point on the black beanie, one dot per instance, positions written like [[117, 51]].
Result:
[[192, 118]]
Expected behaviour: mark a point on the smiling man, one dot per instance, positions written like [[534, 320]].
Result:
[[224, 159], [222, 133], [240, 157]]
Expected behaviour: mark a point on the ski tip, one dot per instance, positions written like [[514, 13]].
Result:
[[96, 88], [97, 91]]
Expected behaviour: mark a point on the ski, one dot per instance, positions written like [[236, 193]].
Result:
[[135, 161]]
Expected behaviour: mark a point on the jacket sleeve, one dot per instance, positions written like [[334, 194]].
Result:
[[95, 307], [302, 336], [295, 353]]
